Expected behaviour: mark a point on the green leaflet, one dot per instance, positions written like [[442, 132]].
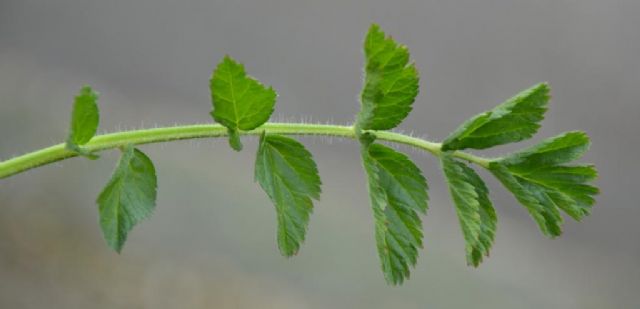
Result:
[[541, 208], [287, 173], [390, 83], [128, 198], [398, 192], [566, 186], [515, 120], [477, 217], [85, 118], [556, 150], [239, 101], [544, 186]]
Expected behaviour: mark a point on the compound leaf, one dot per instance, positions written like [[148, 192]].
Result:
[[85, 118], [128, 198], [515, 120], [539, 181], [287, 173], [390, 83], [398, 193], [475, 211], [239, 101]]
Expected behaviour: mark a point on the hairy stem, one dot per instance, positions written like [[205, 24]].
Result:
[[147, 136]]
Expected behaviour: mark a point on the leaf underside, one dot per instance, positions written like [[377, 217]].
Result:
[[128, 198], [287, 173], [398, 194], [390, 83], [475, 211], [240, 102]]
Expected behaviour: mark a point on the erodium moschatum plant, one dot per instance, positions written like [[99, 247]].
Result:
[[541, 177]]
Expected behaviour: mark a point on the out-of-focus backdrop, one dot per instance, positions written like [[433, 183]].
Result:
[[211, 242]]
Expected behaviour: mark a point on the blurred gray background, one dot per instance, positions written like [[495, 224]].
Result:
[[211, 242]]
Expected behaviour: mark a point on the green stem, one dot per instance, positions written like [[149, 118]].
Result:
[[147, 136]]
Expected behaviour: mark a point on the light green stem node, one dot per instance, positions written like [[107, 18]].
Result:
[[148, 136]]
